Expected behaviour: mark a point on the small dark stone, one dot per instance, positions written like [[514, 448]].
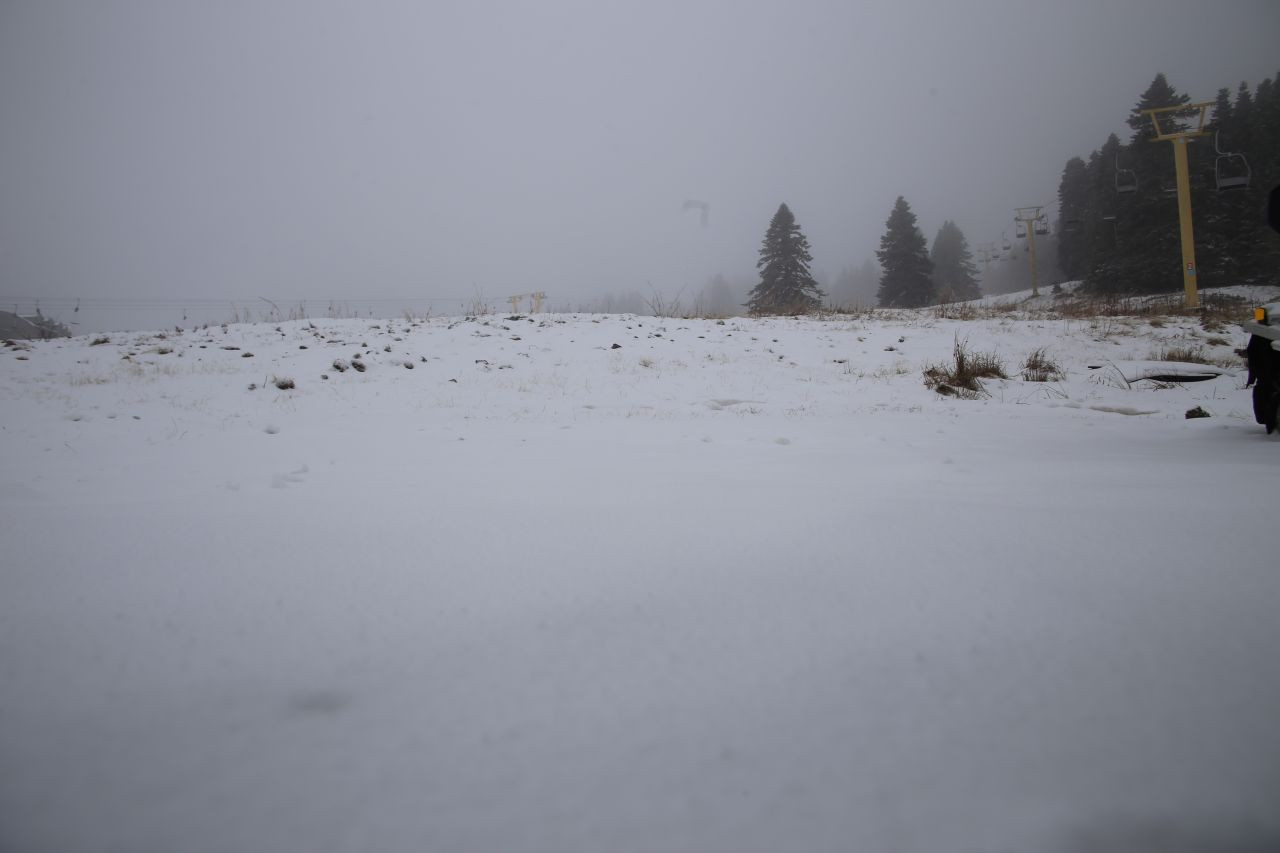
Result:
[[616, 346], [1197, 412]]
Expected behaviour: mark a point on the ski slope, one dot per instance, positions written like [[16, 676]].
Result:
[[614, 583]]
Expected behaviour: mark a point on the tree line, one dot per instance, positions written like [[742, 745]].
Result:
[[1117, 227], [911, 274], [1118, 212]]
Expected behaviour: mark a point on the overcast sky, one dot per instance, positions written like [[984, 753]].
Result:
[[294, 148]]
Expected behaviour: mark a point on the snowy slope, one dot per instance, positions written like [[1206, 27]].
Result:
[[574, 583]]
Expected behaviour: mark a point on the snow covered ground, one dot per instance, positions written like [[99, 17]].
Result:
[[573, 583]]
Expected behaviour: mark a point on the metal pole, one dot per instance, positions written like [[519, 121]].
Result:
[[1184, 222], [1031, 251]]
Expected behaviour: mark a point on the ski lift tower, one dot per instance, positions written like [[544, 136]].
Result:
[[1032, 221], [1180, 134]]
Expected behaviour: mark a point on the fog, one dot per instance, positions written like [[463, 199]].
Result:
[[425, 154]]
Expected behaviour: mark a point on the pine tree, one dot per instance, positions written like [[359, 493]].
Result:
[[717, 298], [1131, 239], [841, 293], [1151, 261], [1108, 168], [1221, 220], [954, 273], [786, 285], [866, 280], [1259, 131], [1074, 213], [904, 261]]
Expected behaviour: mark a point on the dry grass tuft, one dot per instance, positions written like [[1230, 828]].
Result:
[[963, 377], [1190, 354], [1039, 367]]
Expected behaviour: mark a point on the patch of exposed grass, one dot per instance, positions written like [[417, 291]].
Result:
[[963, 377], [957, 311], [1191, 354], [1040, 367], [1219, 309]]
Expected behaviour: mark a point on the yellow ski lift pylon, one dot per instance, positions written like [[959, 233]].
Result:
[[1183, 124], [1027, 222]]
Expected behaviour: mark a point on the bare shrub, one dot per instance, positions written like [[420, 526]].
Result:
[[660, 306], [479, 307], [962, 378]]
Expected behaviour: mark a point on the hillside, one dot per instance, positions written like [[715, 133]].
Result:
[[585, 583]]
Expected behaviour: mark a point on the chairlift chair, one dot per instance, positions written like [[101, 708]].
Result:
[[1041, 225], [1004, 242], [1020, 230], [1126, 179], [1230, 169]]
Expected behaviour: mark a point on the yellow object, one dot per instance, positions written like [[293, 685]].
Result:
[[1027, 216], [1180, 138], [1184, 224], [1260, 315]]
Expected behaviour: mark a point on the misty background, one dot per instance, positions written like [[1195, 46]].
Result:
[[165, 161]]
